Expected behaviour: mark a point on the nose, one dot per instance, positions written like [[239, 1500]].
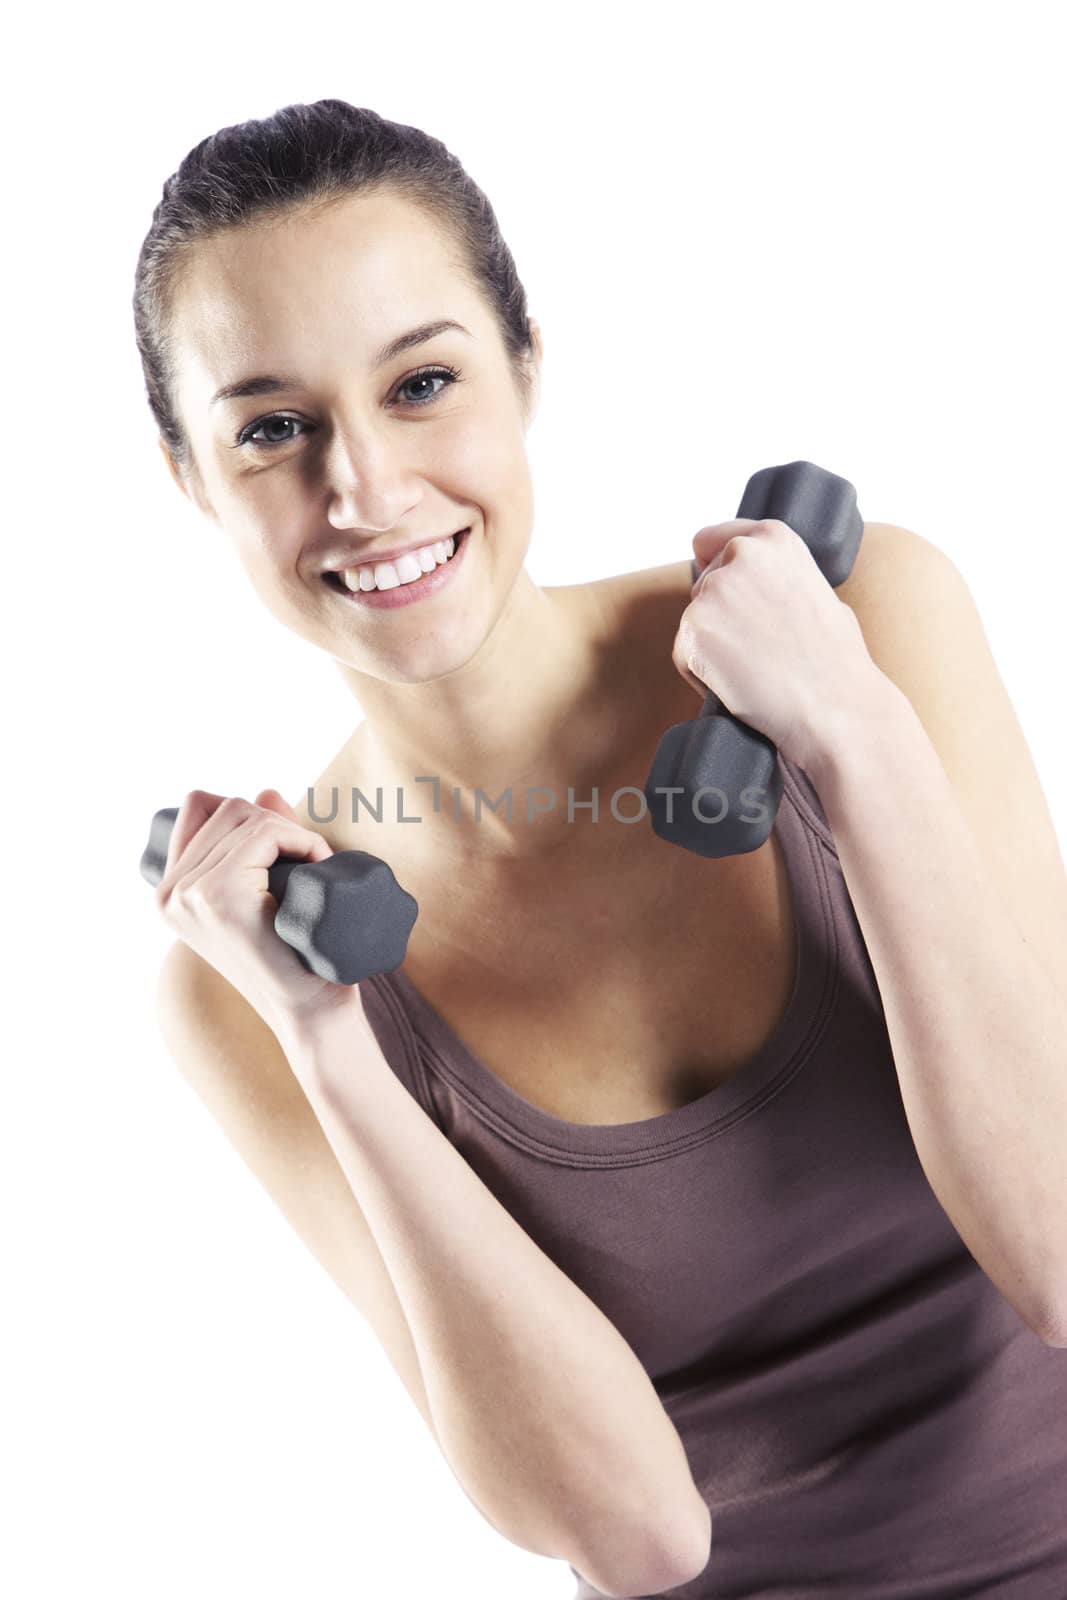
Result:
[[372, 497]]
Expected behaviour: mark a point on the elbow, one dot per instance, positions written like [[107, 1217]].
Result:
[[1050, 1324], [654, 1564], [1054, 1332], [692, 1561]]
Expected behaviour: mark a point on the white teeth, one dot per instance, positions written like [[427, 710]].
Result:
[[405, 569]]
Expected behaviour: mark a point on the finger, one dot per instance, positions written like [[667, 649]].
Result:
[[256, 843], [277, 802], [681, 654], [226, 814], [195, 809], [693, 681], [710, 541]]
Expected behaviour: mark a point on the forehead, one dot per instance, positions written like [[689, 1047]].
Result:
[[342, 279]]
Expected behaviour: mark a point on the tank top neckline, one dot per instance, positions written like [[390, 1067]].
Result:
[[802, 835]]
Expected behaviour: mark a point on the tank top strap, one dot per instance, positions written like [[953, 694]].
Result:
[[389, 1022], [805, 798]]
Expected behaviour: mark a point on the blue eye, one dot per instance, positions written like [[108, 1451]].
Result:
[[448, 375]]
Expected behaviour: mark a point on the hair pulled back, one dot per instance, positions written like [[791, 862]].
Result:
[[295, 161]]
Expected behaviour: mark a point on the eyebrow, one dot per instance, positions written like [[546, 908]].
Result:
[[270, 384]]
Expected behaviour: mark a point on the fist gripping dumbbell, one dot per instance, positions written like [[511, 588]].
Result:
[[347, 918], [717, 754]]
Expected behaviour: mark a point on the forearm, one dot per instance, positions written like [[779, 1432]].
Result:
[[978, 1029], [547, 1418]]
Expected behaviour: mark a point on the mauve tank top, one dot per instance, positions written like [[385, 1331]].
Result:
[[865, 1414]]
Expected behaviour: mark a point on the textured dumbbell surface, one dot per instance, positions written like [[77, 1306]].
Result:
[[730, 787], [346, 917]]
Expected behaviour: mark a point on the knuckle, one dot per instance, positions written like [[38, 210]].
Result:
[[235, 809], [200, 896], [179, 898]]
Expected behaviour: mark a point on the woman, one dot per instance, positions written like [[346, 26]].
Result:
[[709, 1209]]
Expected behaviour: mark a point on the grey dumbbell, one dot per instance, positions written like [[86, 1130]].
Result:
[[728, 772], [346, 917]]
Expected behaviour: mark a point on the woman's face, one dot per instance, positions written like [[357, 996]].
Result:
[[347, 458]]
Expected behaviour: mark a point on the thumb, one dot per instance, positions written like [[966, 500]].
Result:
[[317, 848], [276, 802], [711, 541]]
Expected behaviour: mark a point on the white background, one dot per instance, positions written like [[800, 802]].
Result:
[[751, 234]]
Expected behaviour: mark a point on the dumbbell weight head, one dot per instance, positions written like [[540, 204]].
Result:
[[730, 787], [347, 917], [818, 505]]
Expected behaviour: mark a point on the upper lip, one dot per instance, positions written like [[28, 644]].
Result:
[[365, 558]]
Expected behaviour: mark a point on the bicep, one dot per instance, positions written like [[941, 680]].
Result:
[[234, 1062], [923, 630]]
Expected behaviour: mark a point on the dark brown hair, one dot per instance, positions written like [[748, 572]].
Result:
[[300, 158]]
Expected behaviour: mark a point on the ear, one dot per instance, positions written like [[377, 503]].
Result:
[[535, 361], [191, 487], [175, 474]]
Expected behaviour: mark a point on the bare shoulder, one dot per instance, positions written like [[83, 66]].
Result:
[[187, 977], [634, 611], [619, 594], [198, 1008], [883, 550]]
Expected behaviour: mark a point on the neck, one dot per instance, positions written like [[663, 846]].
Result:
[[556, 702]]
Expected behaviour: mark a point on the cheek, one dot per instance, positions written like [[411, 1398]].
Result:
[[270, 530], [482, 459]]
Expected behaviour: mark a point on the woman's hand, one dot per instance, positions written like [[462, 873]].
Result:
[[765, 631], [214, 894]]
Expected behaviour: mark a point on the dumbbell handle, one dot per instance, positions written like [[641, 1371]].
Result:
[[154, 858]]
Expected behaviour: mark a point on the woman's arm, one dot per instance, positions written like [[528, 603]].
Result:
[[977, 1025], [545, 1415]]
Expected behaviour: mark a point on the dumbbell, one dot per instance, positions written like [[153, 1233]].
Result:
[[728, 772], [346, 917]]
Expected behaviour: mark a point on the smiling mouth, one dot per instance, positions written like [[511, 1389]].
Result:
[[336, 579]]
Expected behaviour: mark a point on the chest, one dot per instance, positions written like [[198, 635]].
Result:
[[617, 998]]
